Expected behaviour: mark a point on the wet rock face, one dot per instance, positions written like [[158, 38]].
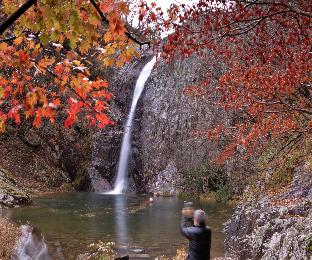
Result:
[[165, 183], [277, 226], [96, 182], [44, 159], [170, 117]]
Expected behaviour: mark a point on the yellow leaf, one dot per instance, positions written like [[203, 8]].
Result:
[[76, 62], [119, 63], [84, 46], [1, 92], [18, 40], [94, 20], [2, 125], [3, 46], [124, 8], [110, 50], [107, 62], [45, 62], [108, 37]]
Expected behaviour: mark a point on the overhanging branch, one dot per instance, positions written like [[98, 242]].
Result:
[[66, 84], [288, 6], [127, 33], [8, 39], [21, 10], [17, 14]]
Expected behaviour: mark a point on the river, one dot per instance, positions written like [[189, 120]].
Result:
[[71, 221]]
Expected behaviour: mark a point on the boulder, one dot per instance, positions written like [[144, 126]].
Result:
[[11, 194]]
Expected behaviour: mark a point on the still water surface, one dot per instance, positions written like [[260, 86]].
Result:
[[71, 221]]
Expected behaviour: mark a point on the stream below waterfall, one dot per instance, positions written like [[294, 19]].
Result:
[[71, 221]]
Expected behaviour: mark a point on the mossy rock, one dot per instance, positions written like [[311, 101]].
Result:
[[80, 181], [309, 244]]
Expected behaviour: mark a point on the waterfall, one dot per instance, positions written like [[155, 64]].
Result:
[[121, 180]]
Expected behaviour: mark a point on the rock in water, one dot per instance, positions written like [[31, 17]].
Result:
[[126, 257], [138, 250]]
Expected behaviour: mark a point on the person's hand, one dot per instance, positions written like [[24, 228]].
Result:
[[188, 212]]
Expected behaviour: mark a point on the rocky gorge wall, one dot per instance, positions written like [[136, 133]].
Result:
[[40, 160], [163, 143], [274, 225], [169, 148]]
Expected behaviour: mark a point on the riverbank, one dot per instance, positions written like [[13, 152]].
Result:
[[9, 235]]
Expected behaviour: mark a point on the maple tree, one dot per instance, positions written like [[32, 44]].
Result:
[[265, 46], [45, 47]]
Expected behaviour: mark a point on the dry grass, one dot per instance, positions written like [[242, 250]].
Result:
[[9, 234], [181, 255]]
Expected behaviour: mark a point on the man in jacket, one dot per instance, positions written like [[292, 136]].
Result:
[[199, 235]]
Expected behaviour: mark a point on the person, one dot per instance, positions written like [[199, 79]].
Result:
[[199, 235]]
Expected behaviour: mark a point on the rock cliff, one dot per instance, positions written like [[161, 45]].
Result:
[[169, 146], [276, 225], [40, 160]]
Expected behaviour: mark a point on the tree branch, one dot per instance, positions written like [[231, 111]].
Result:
[[292, 9], [17, 14], [127, 33], [292, 141], [8, 39], [20, 11], [66, 84], [99, 11]]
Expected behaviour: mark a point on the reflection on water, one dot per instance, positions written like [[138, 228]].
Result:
[[121, 230], [70, 222]]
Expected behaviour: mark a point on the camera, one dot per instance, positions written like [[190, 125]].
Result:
[[188, 204]]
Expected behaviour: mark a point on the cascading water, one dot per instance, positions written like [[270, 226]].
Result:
[[121, 180], [31, 245]]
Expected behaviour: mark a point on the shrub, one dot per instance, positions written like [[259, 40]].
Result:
[[203, 179]]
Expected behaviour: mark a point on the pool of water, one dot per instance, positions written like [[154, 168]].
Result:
[[71, 221]]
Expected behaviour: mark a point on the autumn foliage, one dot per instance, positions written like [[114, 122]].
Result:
[[265, 48], [46, 48]]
